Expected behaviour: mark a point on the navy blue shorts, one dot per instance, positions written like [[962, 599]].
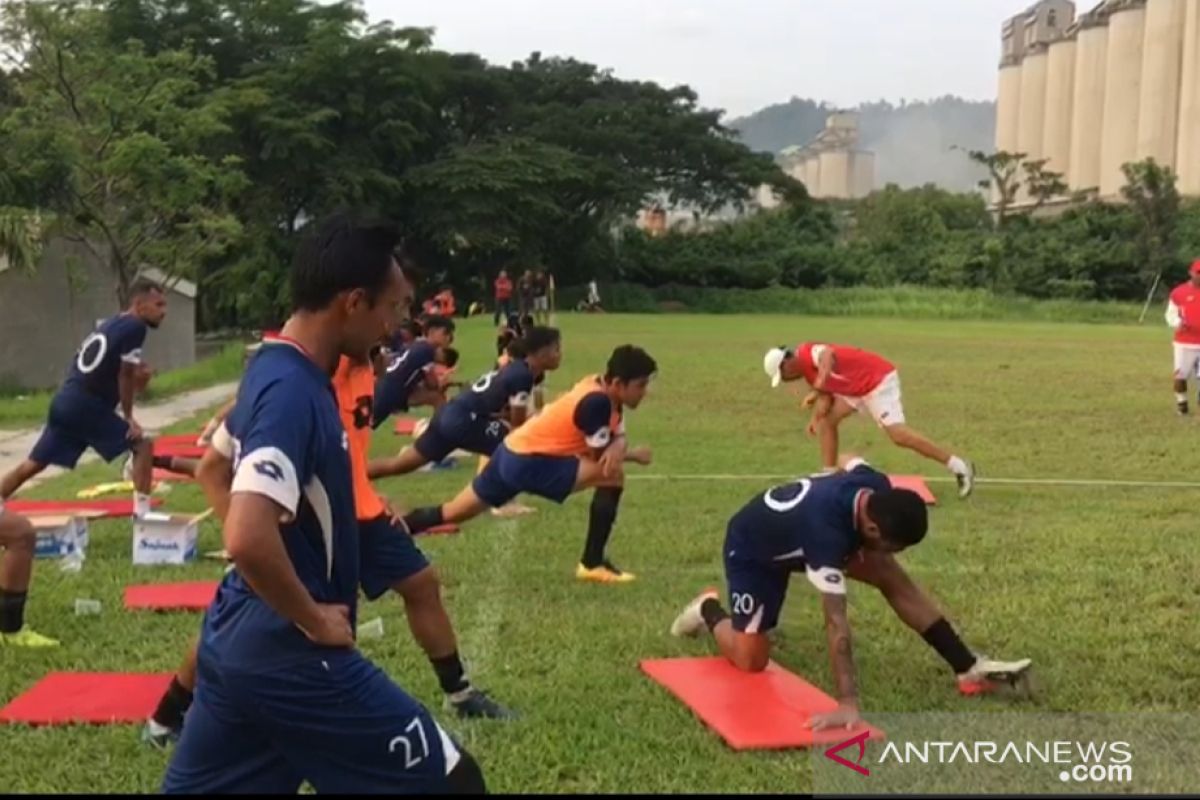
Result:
[[757, 588], [76, 422], [508, 474], [452, 428], [387, 555], [336, 721]]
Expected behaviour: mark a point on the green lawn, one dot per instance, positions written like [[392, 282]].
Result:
[[1097, 585]]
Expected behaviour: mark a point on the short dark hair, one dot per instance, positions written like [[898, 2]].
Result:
[[437, 321], [342, 255], [449, 356], [538, 337], [629, 363], [144, 286], [900, 514]]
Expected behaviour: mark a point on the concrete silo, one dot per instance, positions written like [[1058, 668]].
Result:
[[835, 174], [863, 174], [1187, 163], [812, 175], [1122, 95], [1087, 108], [1162, 57], [1031, 126], [1008, 106], [1060, 96]]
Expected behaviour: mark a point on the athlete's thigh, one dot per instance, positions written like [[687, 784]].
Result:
[[757, 590], [884, 404], [387, 556]]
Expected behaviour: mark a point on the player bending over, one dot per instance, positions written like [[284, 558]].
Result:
[[577, 443], [283, 695], [83, 414], [847, 380], [848, 524], [405, 384]]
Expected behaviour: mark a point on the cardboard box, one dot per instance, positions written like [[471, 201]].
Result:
[[59, 535], [166, 538]]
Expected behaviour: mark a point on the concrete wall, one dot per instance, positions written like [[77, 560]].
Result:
[[1008, 108], [1162, 57], [812, 175], [835, 174], [1122, 96], [1060, 94], [863, 174], [43, 319], [1087, 108], [1188, 138], [1032, 124]]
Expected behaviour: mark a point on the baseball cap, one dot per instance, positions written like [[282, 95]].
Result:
[[773, 363], [1195, 270]]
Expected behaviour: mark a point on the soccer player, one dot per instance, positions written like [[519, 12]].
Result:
[[829, 527], [577, 443], [404, 385], [472, 420], [1183, 315], [83, 413], [847, 380], [283, 696], [19, 540]]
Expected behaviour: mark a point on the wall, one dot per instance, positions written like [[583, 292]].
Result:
[[1122, 95]]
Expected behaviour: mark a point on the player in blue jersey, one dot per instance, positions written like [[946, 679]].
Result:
[[105, 373], [848, 524], [475, 419], [283, 696], [404, 385]]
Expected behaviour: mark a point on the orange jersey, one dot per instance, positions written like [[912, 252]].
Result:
[[582, 420], [355, 388]]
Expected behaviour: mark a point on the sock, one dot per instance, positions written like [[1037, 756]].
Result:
[[163, 462], [422, 519], [712, 612], [141, 504], [957, 465], [1181, 397], [173, 705], [941, 637], [12, 611], [601, 519], [450, 674]]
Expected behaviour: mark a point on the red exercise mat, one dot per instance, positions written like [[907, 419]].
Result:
[[189, 596], [173, 440], [102, 698], [406, 426], [914, 483], [112, 508], [749, 710], [179, 450], [171, 476]]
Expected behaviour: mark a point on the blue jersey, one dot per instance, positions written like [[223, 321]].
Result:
[[807, 522], [97, 366], [488, 396], [404, 372], [287, 442]]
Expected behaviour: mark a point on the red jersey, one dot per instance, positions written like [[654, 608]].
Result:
[[856, 373], [1183, 312], [504, 288]]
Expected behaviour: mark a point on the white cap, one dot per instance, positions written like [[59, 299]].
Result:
[[773, 362]]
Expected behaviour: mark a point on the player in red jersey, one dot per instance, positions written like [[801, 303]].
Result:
[[848, 380], [1183, 314]]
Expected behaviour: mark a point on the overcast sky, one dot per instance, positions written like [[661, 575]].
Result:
[[740, 55]]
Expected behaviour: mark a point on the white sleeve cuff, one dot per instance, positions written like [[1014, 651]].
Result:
[[269, 472], [223, 443], [817, 351], [827, 580], [855, 463], [133, 356], [600, 438], [519, 399]]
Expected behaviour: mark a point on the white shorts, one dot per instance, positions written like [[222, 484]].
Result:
[[541, 303], [883, 404], [1187, 361]]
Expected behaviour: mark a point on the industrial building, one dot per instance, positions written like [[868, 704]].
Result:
[[1118, 84], [833, 165]]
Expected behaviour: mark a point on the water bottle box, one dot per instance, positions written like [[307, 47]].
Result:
[[166, 538], [58, 536]]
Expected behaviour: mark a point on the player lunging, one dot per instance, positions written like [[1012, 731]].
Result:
[[83, 414], [577, 443], [829, 527], [1183, 315], [405, 383], [848, 380], [283, 696]]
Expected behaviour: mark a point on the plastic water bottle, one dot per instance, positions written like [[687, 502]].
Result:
[[84, 606], [372, 629], [72, 561]]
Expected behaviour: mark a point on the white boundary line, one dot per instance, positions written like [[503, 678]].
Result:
[[1080, 482]]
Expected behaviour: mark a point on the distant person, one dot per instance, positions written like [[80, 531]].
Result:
[[1183, 315], [541, 298], [525, 294], [591, 303], [502, 290]]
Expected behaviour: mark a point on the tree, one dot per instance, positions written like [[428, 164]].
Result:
[[1003, 170], [114, 140], [1150, 190], [1042, 184]]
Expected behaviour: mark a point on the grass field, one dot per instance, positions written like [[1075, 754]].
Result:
[[1097, 584]]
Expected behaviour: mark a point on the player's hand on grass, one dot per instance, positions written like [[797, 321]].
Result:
[[640, 455], [846, 716], [331, 627]]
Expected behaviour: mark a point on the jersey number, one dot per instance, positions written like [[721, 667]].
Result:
[[82, 361], [783, 506], [407, 743], [484, 382], [743, 604], [395, 365]]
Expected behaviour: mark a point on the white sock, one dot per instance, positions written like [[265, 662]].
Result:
[[141, 504], [957, 465], [1181, 397]]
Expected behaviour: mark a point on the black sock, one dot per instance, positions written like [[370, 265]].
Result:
[[941, 637], [12, 611], [600, 524], [450, 673], [164, 462], [422, 519], [173, 705], [712, 612]]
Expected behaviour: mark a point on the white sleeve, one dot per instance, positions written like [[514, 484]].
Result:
[[519, 399], [1173, 315], [269, 472], [827, 580], [817, 351], [134, 356], [600, 438], [223, 443]]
